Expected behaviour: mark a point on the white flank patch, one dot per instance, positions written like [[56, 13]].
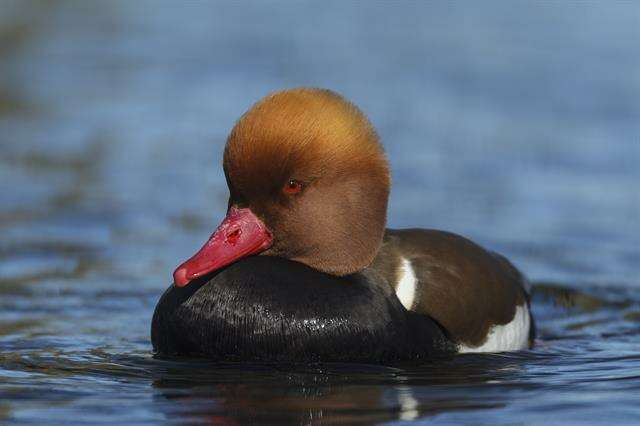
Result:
[[406, 289], [508, 337]]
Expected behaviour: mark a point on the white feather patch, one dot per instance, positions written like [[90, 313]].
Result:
[[508, 337], [406, 288]]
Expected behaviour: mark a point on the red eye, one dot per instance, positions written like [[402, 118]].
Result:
[[292, 187]]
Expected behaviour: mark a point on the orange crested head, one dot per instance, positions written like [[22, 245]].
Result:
[[307, 167]]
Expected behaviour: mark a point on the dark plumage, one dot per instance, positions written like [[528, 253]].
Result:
[[270, 309]]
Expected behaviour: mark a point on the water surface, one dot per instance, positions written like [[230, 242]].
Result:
[[516, 124]]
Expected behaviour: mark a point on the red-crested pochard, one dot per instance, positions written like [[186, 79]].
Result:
[[309, 184]]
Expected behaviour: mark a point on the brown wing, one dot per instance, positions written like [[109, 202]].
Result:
[[464, 287]]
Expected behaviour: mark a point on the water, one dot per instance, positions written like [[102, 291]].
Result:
[[516, 124]]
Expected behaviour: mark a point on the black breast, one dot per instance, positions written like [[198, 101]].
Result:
[[270, 309]]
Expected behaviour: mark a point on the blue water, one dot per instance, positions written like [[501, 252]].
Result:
[[516, 124]]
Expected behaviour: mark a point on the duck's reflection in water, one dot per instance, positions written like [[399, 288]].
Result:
[[223, 394]]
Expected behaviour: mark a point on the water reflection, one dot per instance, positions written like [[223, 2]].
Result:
[[329, 393]]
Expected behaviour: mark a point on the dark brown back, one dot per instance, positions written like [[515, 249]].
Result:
[[464, 287]]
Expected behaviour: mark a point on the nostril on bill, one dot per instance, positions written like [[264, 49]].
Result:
[[232, 237]]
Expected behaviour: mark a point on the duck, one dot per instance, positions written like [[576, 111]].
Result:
[[303, 268]]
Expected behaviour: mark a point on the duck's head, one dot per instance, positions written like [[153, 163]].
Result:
[[308, 181]]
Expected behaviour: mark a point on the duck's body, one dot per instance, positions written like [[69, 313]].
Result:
[[478, 296], [269, 309], [309, 182], [428, 293]]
